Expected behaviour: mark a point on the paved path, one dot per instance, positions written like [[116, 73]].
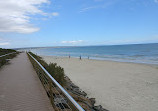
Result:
[[20, 88]]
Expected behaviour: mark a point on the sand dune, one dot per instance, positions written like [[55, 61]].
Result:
[[116, 86]]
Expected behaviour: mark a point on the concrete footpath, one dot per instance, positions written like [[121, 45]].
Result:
[[20, 87]]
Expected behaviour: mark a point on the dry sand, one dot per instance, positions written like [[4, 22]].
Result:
[[116, 86]]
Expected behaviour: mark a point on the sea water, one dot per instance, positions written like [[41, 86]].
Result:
[[137, 53]]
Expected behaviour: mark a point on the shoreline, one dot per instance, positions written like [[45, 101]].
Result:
[[117, 86], [115, 61]]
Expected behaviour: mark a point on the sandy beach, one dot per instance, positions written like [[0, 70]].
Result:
[[116, 86]]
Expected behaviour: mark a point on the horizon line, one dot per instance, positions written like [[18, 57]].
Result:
[[83, 45]]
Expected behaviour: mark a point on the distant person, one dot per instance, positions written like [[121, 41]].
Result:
[[88, 57], [80, 57], [69, 56]]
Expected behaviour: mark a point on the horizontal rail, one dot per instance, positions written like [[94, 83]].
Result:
[[7, 54], [59, 86]]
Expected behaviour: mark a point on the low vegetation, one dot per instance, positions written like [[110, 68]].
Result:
[[56, 71], [5, 59], [6, 51]]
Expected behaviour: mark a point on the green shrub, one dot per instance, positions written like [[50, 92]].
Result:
[[3, 60], [56, 72], [5, 51]]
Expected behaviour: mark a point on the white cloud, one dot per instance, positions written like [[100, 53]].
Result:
[[55, 14], [100, 4], [72, 42], [4, 43], [15, 15], [88, 8]]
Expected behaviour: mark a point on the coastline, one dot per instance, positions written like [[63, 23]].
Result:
[[96, 59], [117, 86]]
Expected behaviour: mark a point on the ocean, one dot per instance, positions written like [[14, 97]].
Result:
[[137, 53]]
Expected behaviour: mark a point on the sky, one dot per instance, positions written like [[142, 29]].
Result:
[[41, 23]]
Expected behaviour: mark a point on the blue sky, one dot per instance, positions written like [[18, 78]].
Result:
[[38, 23]]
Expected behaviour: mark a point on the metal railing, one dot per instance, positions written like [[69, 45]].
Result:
[[59, 97], [7, 54]]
